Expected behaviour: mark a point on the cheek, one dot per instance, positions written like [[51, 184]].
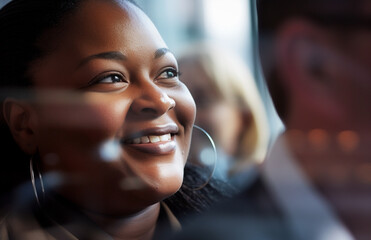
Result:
[[185, 113], [84, 124], [185, 107]]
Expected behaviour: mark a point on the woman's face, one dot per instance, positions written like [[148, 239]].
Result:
[[114, 121], [213, 110]]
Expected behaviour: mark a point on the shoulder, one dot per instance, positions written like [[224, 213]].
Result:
[[25, 220], [193, 199], [252, 214], [3, 229], [17, 226]]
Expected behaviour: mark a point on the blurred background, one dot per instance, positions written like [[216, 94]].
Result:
[[228, 23], [184, 21]]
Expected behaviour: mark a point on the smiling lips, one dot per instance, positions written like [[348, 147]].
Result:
[[158, 140], [151, 139]]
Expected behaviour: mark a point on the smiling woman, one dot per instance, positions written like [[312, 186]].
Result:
[[97, 106]]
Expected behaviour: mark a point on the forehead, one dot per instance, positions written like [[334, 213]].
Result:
[[99, 25]]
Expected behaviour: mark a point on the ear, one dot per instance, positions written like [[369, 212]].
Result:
[[21, 120], [306, 59]]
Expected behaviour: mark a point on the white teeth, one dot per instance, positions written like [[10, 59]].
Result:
[[165, 137], [144, 139], [152, 139]]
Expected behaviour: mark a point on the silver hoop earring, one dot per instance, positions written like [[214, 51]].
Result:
[[34, 182], [202, 155]]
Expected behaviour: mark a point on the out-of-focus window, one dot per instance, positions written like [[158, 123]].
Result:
[[183, 21], [228, 22]]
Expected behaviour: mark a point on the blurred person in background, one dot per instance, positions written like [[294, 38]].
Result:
[[229, 107], [315, 183]]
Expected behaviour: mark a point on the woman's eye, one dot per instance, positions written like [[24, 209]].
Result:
[[111, 78], [168, 73], [107, 82]]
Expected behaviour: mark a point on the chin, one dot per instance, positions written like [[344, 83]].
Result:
[[173, 187], [168, 184]]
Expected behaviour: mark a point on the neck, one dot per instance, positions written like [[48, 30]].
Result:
[[338, 165], [139, 226]]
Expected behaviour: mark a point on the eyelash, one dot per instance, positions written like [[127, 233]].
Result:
[[175, 73], [113, 75]]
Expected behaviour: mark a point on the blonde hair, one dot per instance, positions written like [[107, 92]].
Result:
[[235, 84]]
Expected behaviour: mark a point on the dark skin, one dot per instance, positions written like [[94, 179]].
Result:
[[109, 80]]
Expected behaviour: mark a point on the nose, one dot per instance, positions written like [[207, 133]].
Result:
[[152, 101]]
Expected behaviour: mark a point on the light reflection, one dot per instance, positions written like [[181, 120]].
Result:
[[207, 156], [348, 140], [319, 139], [227, 22], [110, 150], [52, 180]]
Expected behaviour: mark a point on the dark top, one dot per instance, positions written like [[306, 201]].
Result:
[[59, 219]]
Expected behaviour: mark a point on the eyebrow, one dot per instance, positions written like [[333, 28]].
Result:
[[113, 55], [161, 52], [118, 56]]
